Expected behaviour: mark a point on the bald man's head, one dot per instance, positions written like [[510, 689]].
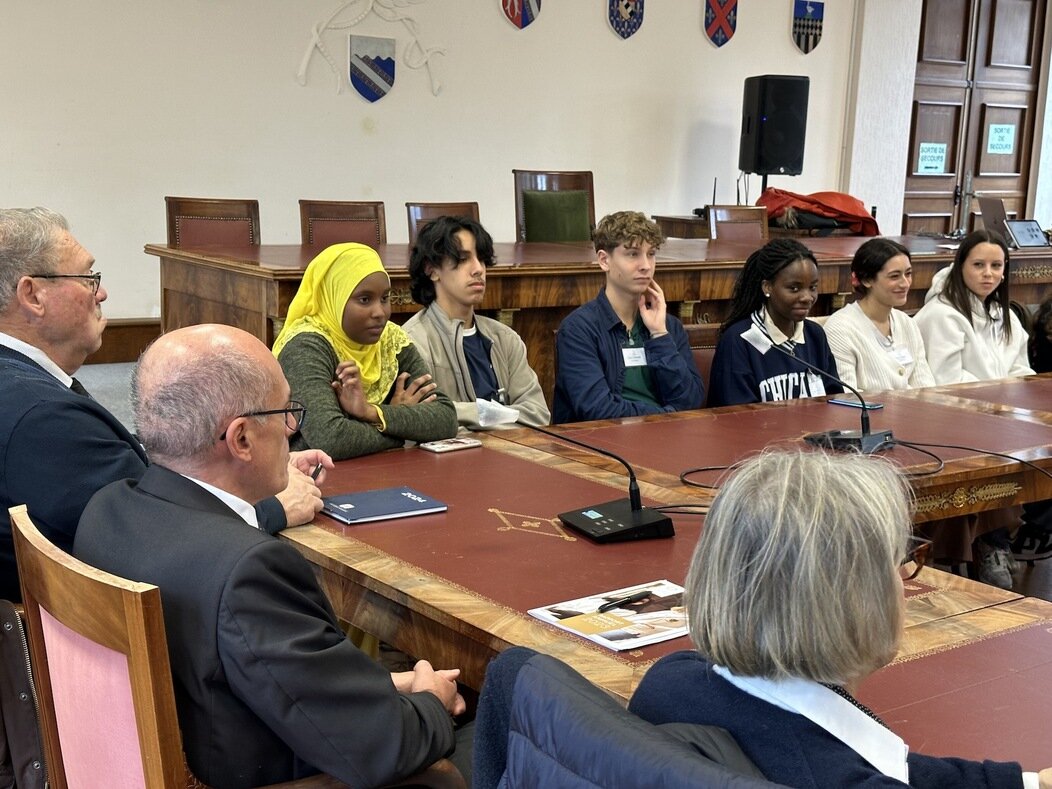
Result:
[[191, 382]]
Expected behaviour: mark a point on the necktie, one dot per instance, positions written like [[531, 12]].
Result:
[[78, 387]]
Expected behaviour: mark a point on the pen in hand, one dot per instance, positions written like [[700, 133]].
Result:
[[623, 601], [316, 473]]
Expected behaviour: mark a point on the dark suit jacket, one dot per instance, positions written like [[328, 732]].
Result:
[[263, 674], [57, 448]]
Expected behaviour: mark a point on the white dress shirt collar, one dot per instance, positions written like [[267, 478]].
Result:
[[37, 356], [875, 743], [242, 508]]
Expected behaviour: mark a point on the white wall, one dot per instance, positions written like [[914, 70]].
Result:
[[1040, 195], [880, 106], [113, 104]]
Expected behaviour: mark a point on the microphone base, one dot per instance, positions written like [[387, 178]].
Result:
[[851, 440], [616, 521]]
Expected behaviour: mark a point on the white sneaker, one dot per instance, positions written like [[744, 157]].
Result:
[[994, 565]]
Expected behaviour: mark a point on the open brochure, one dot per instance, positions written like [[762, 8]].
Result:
[[631, 617]]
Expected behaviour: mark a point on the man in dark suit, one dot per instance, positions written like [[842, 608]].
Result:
[[267, 685], [58, 445]]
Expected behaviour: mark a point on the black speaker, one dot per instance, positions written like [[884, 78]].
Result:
[[774, 124]]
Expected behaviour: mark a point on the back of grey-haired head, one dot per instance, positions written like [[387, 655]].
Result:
[[182, 404], [795, 572], [27, 246]]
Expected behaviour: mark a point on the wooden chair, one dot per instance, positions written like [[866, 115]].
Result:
[[327, 222], [702, 338], [550, 181], [195, 221], [738, 222], [101, 670], [419, 214]]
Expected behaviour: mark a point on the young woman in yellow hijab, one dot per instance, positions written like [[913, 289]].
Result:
[[362, 381]]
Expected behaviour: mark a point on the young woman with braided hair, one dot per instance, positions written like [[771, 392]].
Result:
[[776, 289]]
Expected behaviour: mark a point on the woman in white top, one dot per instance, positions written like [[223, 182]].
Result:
[[877, 346], [969, 332], [971, 335]]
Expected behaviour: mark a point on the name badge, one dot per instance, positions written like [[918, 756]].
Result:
[[815, 384], [901, 356], [635, 356]]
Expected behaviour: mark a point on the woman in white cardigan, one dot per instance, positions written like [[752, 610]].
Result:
[[969, 332], [971, 335], [877, 346]]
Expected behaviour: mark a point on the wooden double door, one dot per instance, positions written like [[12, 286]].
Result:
[[974, 110]]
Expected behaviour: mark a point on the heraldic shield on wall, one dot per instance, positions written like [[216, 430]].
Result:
[[721, 20], [372, 65], [807, 24], [521, 12], [625, 16]]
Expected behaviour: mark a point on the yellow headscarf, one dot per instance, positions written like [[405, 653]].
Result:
[[318, 307]]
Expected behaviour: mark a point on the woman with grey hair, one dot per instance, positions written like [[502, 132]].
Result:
[[794, 596]]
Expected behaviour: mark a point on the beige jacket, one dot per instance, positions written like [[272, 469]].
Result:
[[440, 341]]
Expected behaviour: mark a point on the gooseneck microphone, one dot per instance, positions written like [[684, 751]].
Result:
[[865, 440], [619, 520]]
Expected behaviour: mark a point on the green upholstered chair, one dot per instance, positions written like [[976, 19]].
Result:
[[553, 181], [556, 216]]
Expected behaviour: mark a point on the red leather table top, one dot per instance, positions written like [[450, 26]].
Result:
[[984, 699], [501, 538], [719, 437], [1034, 394]]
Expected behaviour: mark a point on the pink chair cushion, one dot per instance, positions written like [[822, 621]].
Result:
[[93, 708]]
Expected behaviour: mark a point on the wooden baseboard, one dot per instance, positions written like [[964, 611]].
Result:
[[124, 339]]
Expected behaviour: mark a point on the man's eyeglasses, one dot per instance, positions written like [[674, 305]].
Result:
[[918, 554], [295, 415], [95, 279]]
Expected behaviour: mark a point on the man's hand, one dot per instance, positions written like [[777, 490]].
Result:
[[1044, 778], [652, 309], [424, 678], [419, 390], [301, 498], [309, 459]]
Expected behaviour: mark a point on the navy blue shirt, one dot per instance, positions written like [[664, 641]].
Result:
[[483, 379]]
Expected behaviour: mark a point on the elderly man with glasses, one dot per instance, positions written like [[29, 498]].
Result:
[[267, 685], [58, 446]]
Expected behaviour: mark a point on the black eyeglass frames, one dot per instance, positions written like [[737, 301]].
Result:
[[295, 415], [95, 278]]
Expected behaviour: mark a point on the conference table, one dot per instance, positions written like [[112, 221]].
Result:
[[532, 286], [455, 586], [1013, 417]]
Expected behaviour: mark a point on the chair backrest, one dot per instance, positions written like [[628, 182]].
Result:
[[419, 214], [540, 723], [327, 222], [550, 181], [702, 338], [101, 670], [194, 221], [738, 222]]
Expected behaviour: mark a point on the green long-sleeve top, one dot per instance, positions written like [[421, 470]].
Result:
[[310, 363]]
